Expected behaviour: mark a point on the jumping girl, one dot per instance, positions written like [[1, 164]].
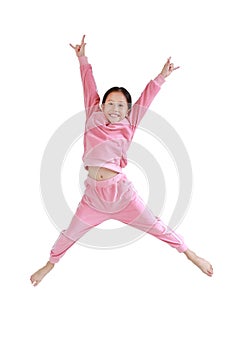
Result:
[[109, 130]]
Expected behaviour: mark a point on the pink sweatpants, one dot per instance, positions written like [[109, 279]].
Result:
[[117, 199]]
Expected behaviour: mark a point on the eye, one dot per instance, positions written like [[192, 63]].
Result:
[[121, 105]]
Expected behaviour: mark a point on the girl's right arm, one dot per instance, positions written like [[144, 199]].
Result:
[[91, 97]]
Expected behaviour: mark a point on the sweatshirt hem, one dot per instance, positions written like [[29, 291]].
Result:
[[113, 167]]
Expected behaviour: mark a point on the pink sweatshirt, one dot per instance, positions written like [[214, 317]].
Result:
[[106, 144]]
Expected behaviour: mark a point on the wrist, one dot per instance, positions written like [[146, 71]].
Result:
[[163, 74], [160, 79], [83, 60]]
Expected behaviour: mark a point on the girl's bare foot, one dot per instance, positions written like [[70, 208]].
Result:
[[40, 274], [204, 265]]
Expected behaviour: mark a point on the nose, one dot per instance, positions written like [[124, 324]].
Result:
[[116, 107]]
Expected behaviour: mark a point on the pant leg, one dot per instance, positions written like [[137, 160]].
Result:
[[84, 219], [100, 200], [138, 215]]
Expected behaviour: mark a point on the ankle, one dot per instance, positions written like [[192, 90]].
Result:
[[49, 265], [190, 254]]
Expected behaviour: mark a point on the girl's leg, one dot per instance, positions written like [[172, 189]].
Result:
[[138, 215], [102, 195], [84, 219]]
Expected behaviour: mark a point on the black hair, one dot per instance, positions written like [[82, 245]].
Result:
[[119, 89]]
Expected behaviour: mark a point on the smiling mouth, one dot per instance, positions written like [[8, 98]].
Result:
[[114, 115]]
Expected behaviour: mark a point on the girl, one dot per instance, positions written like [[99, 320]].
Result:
[[108, 193]]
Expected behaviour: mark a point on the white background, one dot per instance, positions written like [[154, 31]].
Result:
[[145, 295]]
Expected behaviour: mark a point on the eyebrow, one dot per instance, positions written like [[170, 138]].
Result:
[[116, 101]]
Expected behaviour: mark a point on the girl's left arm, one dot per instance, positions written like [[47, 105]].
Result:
[[147, 96]]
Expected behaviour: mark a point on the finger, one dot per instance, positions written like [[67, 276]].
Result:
[[72, 46], [169, 59], [176, 67], [82, 41]]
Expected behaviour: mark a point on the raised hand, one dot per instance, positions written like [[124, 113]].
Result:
[[168, 68], [79, 49]]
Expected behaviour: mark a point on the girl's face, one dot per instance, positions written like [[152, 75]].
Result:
[[115, 107]]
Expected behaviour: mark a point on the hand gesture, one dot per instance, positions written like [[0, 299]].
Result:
[[79, 49], [168, 68]]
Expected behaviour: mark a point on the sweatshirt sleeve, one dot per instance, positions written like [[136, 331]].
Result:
[[147, 96], [91, 97]]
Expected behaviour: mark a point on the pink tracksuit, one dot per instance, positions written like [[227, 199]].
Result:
[[106, 145]]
